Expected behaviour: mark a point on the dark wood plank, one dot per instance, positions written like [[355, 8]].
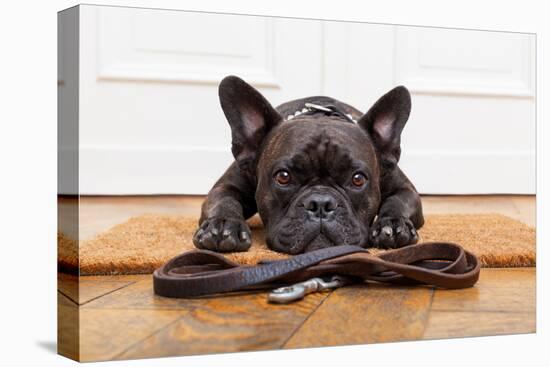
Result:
[[507, 278], [139, 295], [505, 290], [104, 334], [365, 314], [98, 214], [68, 285], [68, 325], [453, 324], [502, 302], [84, 289], [228, 324]]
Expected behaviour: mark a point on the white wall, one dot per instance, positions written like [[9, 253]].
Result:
[[150, 120]]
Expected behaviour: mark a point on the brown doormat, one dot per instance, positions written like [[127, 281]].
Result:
[[143, 243]]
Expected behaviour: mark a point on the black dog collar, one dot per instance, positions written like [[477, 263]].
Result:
[[328, 110]]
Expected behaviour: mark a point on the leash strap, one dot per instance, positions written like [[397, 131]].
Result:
[[203, 272]]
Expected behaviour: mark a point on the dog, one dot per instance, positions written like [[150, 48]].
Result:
[[318, 171]]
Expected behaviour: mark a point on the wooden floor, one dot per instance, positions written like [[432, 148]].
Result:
[[120, 317]]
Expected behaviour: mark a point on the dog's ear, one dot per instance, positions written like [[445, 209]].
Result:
[[384, 122], [250, 116]]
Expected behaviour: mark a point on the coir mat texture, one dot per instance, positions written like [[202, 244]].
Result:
[[143, 243]]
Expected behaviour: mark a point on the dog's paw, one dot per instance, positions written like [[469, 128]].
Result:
[[389, 232], [223, 235]]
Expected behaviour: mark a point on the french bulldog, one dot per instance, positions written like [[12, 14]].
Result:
[[318, 171]]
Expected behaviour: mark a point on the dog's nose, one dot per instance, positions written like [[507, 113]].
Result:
[[320, 205]]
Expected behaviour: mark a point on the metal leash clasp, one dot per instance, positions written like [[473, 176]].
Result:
[[298, 291]]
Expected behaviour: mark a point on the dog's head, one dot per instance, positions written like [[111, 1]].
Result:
[[317, 177]]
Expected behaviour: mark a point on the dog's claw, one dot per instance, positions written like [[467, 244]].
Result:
[[245, 236], [222, 234], [390, 232]]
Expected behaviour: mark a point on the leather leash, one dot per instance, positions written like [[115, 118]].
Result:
[[202, 272]]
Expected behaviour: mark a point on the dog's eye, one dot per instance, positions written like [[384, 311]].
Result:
[[358, 180], [282, 177]]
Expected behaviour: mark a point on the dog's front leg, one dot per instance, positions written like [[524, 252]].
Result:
[[399, 216], [222, 225]]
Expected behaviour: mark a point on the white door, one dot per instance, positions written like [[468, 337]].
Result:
[[472, 125], [150, 121]]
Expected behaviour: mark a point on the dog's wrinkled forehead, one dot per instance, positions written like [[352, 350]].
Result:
[[324, 146]]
